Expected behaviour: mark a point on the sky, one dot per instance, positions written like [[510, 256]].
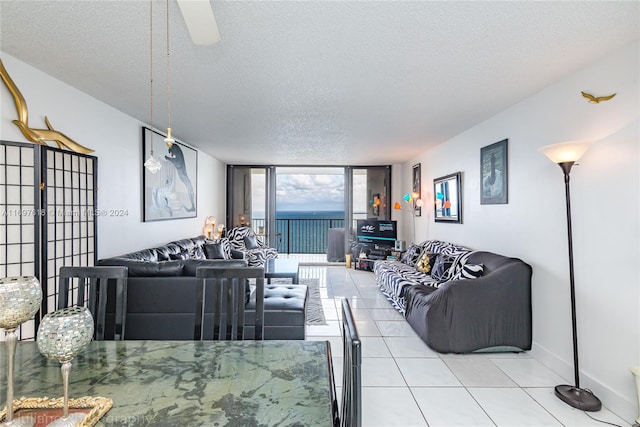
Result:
[[303, 192], [308, 191]]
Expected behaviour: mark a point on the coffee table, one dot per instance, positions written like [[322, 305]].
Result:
[[281, 268]]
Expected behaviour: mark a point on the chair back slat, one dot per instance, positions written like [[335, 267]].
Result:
[[351, 413], [226, 285], [95, 280]]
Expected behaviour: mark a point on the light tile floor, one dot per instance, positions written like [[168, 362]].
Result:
[[404, 383]]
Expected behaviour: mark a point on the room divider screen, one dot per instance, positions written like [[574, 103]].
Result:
[[48, 216]]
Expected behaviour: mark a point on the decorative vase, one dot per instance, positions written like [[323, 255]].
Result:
[[635, 370], [20, 299], [62, 334]]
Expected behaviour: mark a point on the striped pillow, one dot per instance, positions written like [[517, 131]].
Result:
[[469, 271], [412, 255]]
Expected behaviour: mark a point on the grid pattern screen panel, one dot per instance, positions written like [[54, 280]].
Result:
[[19, 216], [70, 221]]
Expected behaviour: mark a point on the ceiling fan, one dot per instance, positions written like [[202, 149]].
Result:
[[200, 21]]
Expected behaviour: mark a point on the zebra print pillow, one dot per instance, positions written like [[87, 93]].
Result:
[[196, 252], [412, 255], [469, 271]]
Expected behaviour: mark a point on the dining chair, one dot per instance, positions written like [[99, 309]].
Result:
[[227, 286], [351, 411], [97, 280]]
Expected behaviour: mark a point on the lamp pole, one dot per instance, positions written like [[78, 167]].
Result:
[[565, 154], [566, 169], [574, 395]]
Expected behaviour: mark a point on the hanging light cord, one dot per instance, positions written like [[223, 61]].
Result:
[[151, 70], [168, 74]]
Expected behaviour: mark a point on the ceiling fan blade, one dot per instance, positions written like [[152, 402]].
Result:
[[200, 21]]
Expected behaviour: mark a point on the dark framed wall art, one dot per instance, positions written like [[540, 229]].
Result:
[[448, 198], [416, 188], [494, 173], [170, 193]]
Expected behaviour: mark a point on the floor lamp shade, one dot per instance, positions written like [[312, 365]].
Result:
[[569, 151], [565, 154]]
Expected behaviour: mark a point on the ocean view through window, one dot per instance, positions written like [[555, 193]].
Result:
[[300, 209]]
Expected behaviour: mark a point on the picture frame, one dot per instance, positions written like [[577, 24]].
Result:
[[416, 188], [172, 192], [447, 192], [46, 410], [494, 172]]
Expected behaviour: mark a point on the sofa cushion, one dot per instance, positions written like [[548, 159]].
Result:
[[138, 268], [190, 266], [214, 251], [179, 255], [161, 253], [393, 277]]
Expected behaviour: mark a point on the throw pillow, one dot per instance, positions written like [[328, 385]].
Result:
[[226, 246], [426, 262], [180, 255], [215, 251], [412, 255], [441, 269], [469, 271], [162, 255], [251, 242], [196, 252]]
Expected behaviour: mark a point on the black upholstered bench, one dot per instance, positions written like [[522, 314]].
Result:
[[284, 311]]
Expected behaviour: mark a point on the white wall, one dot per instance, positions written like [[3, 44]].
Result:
[[605, 193], [117, 141]]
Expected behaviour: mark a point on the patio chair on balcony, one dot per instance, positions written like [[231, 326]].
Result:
[[256, 252]]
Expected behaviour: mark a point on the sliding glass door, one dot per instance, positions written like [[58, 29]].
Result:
[[297, 208], [368, 196]]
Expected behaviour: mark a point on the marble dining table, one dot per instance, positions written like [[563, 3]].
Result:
[[189, 383]]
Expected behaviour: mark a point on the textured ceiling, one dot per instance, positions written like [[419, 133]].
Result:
[[305, 82]]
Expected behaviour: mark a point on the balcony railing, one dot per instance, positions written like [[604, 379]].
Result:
[[303, 235]]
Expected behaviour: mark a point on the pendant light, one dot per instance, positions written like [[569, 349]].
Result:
[[152, 164], [169, 139]]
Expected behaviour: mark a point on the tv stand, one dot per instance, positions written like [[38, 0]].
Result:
[[380, 253], [365, 264]]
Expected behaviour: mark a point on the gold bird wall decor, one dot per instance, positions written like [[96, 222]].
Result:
[[39, 136], [596, 100]]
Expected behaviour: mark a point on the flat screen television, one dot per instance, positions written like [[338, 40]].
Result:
[[377, 232]]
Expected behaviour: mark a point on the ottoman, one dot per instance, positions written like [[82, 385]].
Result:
[[284, 312]]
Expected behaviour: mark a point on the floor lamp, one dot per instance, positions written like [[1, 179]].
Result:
[[414, 203], [565, 154]]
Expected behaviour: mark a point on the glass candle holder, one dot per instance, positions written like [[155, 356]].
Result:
[[61, 336], [20, 299]]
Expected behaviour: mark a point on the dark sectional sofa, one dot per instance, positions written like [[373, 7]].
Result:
[[479, 301], [161, 296]]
